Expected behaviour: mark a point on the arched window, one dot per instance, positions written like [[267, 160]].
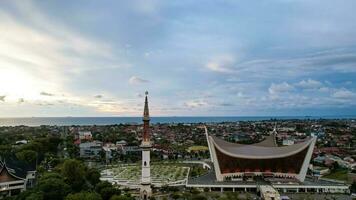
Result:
[[144, 164]]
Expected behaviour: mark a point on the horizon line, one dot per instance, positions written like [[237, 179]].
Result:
[[180, 116]]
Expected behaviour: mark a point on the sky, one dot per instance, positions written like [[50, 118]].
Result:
[[196, 58]]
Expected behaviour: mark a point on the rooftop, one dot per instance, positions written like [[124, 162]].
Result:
[[263, 150]]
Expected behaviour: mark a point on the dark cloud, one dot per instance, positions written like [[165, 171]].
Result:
[[21, 100], [45, 104], [2, 98], [226, 104], [139, 95], [99, 96], [46, 94]]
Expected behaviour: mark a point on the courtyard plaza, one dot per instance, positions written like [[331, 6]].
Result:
[[128, 175]]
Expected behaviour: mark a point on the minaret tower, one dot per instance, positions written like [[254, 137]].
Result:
[[145, 190]]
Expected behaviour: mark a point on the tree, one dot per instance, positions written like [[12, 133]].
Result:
[[93, 176], [194, 191], [28, 156], [31, 194], [198, 197], [5, 150], [73, 172], [233, 195], [72, 149], [176, 195], [353, 187], [84, 196], [335, 166], [122, 197], [35, 196], [102, 185], [53, 187], [106, 190]]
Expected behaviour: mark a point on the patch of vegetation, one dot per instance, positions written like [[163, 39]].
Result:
[[197, 148], [340, 174]]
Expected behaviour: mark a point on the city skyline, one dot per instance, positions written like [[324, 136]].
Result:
[[196, 58]]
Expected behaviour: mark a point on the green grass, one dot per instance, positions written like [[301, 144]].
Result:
[[197, 148], [340, 175]]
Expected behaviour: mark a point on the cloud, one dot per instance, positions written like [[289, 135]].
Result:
[[226, 104], [52, 57], [45, 104], [46, 94], [280, 88], [343, 94], [324, 89], [139, 95], [52, 54], [223, 64], [2, 98], [134, 80], [99, 96], [309, 84], [195, 103], [321, 62], [182, 51], [147, 7]]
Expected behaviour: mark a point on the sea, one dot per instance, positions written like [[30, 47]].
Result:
[[69, 121]]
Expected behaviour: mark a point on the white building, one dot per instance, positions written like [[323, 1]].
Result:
[[269, 193], [287, 142], [90, 149], [85, 135]]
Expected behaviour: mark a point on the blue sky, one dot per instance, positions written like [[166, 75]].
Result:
[[196, 58]]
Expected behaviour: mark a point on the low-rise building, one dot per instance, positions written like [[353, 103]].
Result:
[[127, 149], [320, 171], [15, 177], [85, 135], [287, 142], [109, 148], [90, 149], [269, 193]]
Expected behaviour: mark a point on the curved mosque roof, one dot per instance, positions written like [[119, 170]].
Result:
[[266, 149]]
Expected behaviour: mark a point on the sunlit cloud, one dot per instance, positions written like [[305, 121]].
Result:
[[97, 60], [280, 88], [222, 63], [46, 58], [309, 84], [137, 80], [344, 94]]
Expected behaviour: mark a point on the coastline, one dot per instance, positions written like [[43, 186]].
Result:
[[68, 121]]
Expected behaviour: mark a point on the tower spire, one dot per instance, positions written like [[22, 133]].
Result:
[[146, 113], [146, 190], [146, 123]]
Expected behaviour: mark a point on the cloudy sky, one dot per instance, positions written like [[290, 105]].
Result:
[[196, 58]]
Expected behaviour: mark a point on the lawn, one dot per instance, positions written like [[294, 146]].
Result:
[[197, 148], [340, 175]]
